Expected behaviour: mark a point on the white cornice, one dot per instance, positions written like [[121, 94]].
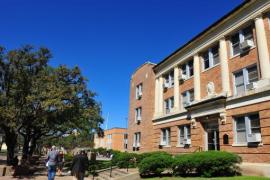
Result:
[[222, 30]]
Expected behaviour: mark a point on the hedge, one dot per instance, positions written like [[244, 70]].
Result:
[[207, 164], [155, 164]]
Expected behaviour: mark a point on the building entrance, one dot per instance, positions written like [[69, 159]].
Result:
[[212, 136]]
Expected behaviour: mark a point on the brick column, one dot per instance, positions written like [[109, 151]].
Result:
[[225, 79], [197, 81], [262, 48], [176, 89]]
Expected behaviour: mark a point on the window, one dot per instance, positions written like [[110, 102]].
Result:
[[137, 139], [187, 69], [243, 35], [138, 91], [246, 126], [184, 134], [168, 105], [138, 114], [169, 79], [188, 97], [165, 137], [211, 57], [244, 78]]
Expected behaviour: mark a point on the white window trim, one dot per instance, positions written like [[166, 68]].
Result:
[[241, 39], [137, 139], [166, 143], [211, 60], [188, 70], [185, 134], [247, 127], [170, 109], [138, 91], [138, 113], [246, 78], [188, 96]]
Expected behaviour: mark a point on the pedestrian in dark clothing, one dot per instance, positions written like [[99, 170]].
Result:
[[52, 163], [79, 165]]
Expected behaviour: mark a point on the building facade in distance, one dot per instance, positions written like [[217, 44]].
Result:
[[115, 138], [213, 93]]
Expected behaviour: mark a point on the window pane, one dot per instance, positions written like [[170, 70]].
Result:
[[183, 69], [239, 82], [255, 123], [215, 52], [188, 132], [190, 64], [172, 103], [241, 130], [191, 94], [235, 44], [252, 74], [206, 60], [241, 136], [247, 33], [184, 98], [240, 123]]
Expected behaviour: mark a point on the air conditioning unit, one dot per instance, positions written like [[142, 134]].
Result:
[[133, 145], [138, 145], [162, 143], [251, 86], [186, 104], [139, 94], [254, 137], [182, 77], [187, 141], [139, 118], [166, 85], [246, 44]]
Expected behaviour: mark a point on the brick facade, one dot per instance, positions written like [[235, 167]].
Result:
[[214, 119]]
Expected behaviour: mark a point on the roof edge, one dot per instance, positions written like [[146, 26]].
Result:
[[147, 62], [203, 32]]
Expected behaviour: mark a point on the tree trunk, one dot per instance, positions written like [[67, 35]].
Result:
[[25, 151], [33, 146], [11, 141]]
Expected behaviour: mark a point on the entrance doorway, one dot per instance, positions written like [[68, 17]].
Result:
[[212, 136]]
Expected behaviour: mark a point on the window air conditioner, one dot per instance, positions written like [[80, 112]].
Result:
[[187, 141], [246, 44], [138, 145], [133, 145], [254, 137], [182, 77], [251, 86], [166, 85], [162, 143], [139, 118], [186, 104]]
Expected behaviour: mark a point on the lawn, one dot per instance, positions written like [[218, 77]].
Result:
[[219, 178]]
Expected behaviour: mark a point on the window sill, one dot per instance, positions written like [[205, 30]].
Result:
[[244, 145], [188, 78], [239, 54], [183, 146], [167, 146], [210, 68]]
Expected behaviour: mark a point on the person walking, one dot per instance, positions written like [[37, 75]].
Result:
[[79, 165], [61, 161], [52, 163]]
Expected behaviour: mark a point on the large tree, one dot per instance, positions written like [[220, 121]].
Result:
[[38, 100]]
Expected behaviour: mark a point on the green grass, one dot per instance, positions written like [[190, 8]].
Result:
[[218, 178]]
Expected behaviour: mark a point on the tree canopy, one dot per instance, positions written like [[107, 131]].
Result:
[[38, 100]]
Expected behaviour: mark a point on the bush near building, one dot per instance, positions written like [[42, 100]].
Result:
[[207, 164]]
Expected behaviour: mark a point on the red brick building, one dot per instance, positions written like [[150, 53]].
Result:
[[114, 138], [213, 93]]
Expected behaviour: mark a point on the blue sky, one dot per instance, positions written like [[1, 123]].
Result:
[[108, 39]]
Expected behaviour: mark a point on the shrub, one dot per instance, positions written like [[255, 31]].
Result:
[[155, 164], [124, 160], [207, 164], [147, 154]]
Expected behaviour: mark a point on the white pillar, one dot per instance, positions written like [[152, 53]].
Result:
[[225, 78], [176, 89], [156, 97], [160, 104], [262, 48], [197, 81]]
